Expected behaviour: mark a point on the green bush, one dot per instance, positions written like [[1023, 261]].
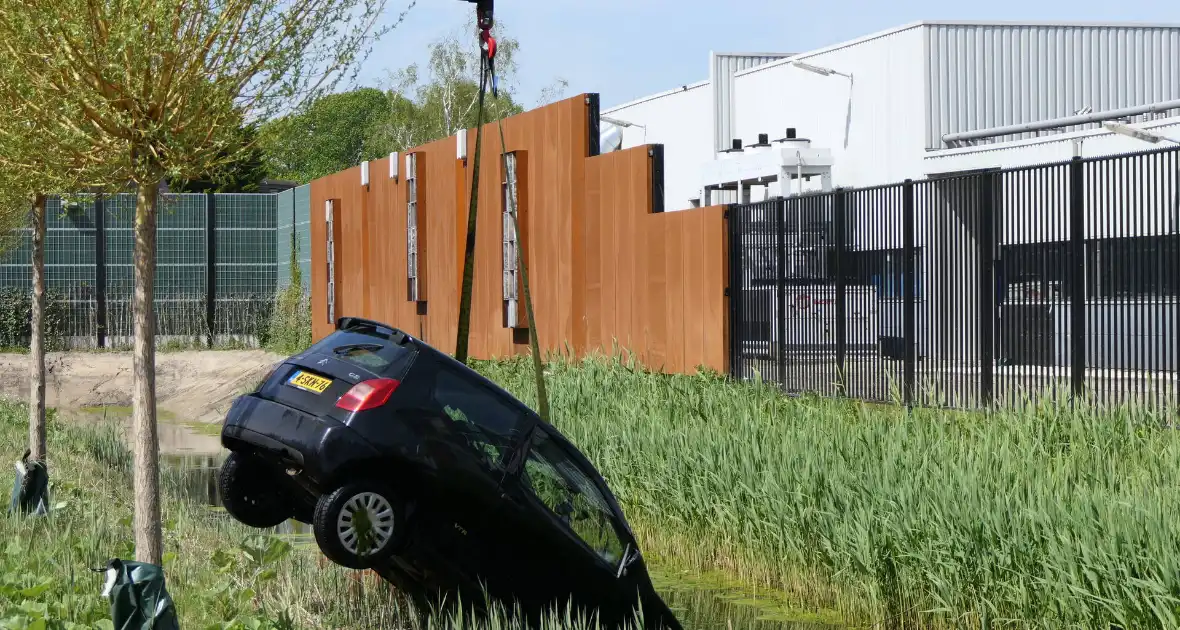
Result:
[[289, 329], [16, 315]]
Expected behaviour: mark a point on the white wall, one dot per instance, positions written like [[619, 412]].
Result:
[[681, 121], [886, 126]]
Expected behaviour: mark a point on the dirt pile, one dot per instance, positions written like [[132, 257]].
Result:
[[195, 386]]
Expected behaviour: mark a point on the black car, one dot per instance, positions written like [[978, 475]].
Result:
[[409, 463]]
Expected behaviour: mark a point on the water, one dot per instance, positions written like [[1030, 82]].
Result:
[[699, 603]]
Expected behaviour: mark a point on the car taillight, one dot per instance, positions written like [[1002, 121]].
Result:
[[368, 394]]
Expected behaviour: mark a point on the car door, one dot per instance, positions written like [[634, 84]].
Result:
[[567, 541], [470, 433]]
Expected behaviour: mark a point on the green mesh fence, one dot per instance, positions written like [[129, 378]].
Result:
[[293, 218], [245, 272]]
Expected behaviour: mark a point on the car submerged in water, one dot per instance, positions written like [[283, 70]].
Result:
[[407, 462]]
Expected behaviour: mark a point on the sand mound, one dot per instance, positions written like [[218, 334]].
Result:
[[194, 386]]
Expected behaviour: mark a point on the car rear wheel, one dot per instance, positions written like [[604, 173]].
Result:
[[359, 525], [248, 493]]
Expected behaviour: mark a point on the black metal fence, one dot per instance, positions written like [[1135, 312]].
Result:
[[967, 290]]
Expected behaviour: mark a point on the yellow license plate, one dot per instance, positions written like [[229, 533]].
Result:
[[309, 382]]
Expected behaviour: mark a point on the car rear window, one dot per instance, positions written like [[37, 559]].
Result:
[[367, 347]]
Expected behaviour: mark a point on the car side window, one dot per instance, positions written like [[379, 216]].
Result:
[[489, 424], [570, 495]]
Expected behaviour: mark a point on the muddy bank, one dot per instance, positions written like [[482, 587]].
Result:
[[193, 386]]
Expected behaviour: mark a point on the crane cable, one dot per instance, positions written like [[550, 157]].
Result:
[[486, 73]]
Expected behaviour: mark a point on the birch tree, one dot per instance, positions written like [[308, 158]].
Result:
[[163, 84]]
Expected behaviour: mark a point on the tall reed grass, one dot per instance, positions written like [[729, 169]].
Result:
[[221, 574], [1042, 517]]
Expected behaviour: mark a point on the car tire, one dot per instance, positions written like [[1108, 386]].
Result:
[[335, 524], [246, 495]]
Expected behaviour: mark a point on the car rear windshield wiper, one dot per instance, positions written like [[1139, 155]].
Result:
[[356, 346]]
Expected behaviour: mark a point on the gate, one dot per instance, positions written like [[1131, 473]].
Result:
[[816, 305]]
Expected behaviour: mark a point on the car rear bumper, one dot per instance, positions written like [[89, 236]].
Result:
[[289, 439]]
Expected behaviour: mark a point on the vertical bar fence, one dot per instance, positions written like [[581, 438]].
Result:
[[988, 288]]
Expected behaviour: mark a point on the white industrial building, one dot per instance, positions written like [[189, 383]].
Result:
[[927, 100], [908, 103]]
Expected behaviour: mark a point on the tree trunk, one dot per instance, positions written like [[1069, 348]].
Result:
[[149, 544], [37, 447]]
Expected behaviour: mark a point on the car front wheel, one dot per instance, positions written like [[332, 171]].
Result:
[[359, 525], [246, 494]]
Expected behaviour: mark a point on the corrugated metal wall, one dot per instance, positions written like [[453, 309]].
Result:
[[987, 76], [722, 67]]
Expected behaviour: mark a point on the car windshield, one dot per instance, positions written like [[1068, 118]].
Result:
[[569, 493]]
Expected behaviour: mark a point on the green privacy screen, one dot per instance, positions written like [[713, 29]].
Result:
[[89, 247], [293, 230]]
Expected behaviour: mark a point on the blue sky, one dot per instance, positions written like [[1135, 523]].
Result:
[[625, 49]]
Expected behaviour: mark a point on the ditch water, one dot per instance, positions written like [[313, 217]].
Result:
[[699, 603]]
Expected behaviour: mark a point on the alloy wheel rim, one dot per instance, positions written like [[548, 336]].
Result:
[[365, 515]]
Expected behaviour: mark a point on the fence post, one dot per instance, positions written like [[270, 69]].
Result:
[[840, 230], [780, 317], [986, 241], [210, 267], [100, 273], [1077, 257], [909, 288], [734, 293]]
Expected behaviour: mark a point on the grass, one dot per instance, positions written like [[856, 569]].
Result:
[[220, 574], [1042, 518]]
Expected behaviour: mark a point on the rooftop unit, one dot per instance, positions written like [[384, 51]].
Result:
[[788, 159]]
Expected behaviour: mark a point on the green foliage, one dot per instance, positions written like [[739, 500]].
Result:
[[241, 171], [289, 328], [335, 132], [16, 315], [339, 131]]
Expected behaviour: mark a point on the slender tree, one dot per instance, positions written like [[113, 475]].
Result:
[[163, 83], [32, 165]]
